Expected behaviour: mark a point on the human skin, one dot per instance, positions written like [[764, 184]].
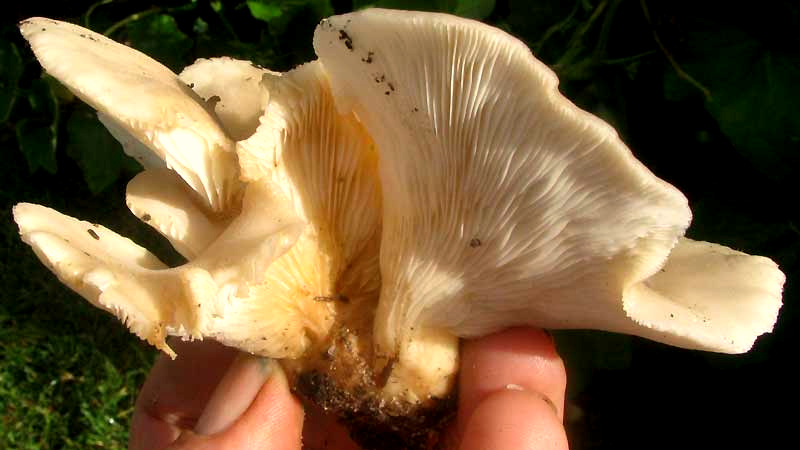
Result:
[[511, 396]]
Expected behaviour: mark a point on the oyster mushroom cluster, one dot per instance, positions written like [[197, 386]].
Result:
[[421, 182]]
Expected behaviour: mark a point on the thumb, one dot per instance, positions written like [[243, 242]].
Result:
[[252, 407]]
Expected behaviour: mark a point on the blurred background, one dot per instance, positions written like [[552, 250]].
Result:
[[704, 93]]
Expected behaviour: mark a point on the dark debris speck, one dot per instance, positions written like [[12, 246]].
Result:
[[348, 41], [331, 298]]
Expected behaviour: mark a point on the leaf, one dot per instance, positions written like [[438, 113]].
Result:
[[265, 11], [159, 37], [37, 134], [473, 9], [96, 152], [10, 73], [43, 101], [753, 90], [37, 141], [278, 13], [200, 26]]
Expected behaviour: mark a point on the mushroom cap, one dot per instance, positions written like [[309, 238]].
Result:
[[235, 86], [143, 99], [161, 199], [504, 203]]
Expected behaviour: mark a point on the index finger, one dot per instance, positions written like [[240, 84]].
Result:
[[511, 389], [176, 392]]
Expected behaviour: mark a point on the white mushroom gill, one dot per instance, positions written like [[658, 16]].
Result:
[[423, 181], [505, 204]]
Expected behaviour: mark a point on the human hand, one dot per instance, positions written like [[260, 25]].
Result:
[[511, 396]]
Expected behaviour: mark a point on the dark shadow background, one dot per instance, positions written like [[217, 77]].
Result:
[[705, 95]]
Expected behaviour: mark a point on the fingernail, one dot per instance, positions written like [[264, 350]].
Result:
[[549, 402], [234, 393], [517, 387]]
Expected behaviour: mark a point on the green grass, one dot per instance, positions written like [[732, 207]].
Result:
[[68, 373], [46, 405]]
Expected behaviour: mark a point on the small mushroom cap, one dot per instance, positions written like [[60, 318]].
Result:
[[143, 98], [504, 203], [236, 87], [161, 199]]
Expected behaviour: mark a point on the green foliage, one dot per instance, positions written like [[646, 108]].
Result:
[[159, 37], [38, 143], [279, 13], [10, 73], [99, 156], [267, 11], [474, 9], [37, 135], [752, 91]]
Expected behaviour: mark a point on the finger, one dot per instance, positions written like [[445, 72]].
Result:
[[176, 392], [515, 359], [514, 419], [234, 393], [273, 419]]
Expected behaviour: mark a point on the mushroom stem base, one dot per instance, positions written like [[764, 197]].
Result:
[[342, 379], [375, 424]]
